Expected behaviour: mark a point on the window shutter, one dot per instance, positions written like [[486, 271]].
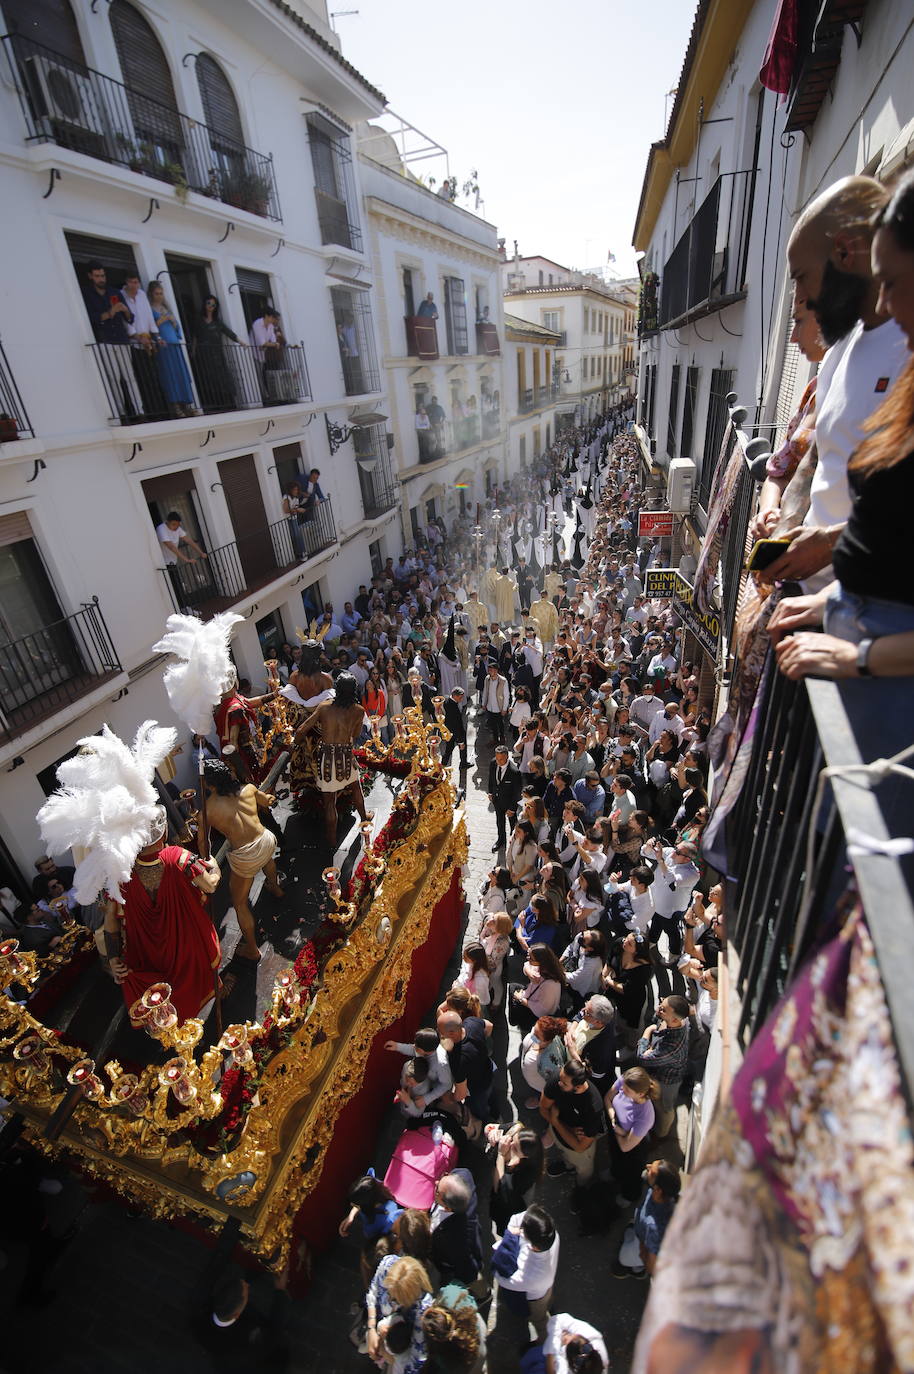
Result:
[[150, 92], [169, 485], [14, 528], [219, 104], [116, 258], [50, 22]]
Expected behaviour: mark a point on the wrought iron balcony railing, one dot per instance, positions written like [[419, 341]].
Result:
[[379, 494], [76, 107], [52, 666], [14, 419], [335, 224], [790, 852], [172, 380], [707, 268], [211, 584], [526, 400]]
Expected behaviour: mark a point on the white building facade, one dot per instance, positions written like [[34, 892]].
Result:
[[588, 315], [209, 147], [436, 269], [532, 389], [720, 196]]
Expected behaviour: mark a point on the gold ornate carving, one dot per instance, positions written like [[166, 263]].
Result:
[[131, 1130]]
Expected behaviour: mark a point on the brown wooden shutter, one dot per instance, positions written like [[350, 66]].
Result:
[[169, 485], [50, 22], [147, 76], [248, 515], [14, 528], [219, 104]]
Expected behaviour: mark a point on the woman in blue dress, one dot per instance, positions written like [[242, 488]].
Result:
[[173, 370]]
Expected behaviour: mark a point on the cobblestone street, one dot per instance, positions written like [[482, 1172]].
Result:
[[125, 1287]]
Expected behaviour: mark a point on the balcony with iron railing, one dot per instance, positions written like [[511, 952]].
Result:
[[253, 560], [171, 380], [14, 419], [335, 223], [52, 666], [78, 108], [707, 268]]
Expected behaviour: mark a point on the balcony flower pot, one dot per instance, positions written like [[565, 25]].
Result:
[[9, 430], [247, 191]]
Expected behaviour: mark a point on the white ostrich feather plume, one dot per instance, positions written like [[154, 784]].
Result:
[[202, 670], [106, 804]]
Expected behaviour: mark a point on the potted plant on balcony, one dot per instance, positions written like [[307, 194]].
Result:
[[9, 429], [247, 190]]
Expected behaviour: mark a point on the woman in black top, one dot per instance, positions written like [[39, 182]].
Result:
[[211, 366], [518, 1169], [626, 976], [869, 611]]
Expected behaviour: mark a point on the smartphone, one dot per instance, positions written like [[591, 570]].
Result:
[[765, 552]]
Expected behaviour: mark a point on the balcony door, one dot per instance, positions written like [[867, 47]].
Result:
[[241, 487], [37, 648], [158, 137]]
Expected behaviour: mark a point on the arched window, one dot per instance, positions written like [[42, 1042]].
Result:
[[220, 107], [50, 22], [150, 93]]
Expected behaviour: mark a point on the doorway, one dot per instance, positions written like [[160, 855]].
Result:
[[248, 515], [190, 287]]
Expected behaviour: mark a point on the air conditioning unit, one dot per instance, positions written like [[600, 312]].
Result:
[[63, 95], [680, 484]]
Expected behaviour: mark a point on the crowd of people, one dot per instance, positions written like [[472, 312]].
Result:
[[592, 935], [145, 361]]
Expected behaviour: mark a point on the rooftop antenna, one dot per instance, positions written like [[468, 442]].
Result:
[[339, 14]]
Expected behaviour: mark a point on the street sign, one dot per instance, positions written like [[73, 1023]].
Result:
[[656, 524], [664, 582]]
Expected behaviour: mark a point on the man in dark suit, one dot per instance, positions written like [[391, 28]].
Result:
[[455, 720], [524, 585], [456, 1240], [504, 792]]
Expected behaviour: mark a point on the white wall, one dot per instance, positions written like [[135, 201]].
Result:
[[413, 228], [87, 507]]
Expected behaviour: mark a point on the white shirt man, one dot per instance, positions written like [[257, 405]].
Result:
[[644, 708], [667, 719], [535, 1272], [533, 653], [855, 376], [674, 879], [561, 1329], [590, 853], [662, 663], [642, 903], [263, 331], [143, 319], [495, 694]]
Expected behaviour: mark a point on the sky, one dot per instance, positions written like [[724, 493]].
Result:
[[553, 105]]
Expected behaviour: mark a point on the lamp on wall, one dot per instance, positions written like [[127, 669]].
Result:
[[337, 435]]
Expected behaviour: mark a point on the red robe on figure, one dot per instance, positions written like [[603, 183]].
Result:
[[237, 710], [169, 936]]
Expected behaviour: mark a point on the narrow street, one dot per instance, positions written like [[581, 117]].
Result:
[[152, 1292]]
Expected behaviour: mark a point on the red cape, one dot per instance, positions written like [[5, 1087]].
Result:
[[170, 938]]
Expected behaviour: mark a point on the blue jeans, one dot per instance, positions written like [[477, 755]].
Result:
[[852, 617], [880, 706], [298, 542]]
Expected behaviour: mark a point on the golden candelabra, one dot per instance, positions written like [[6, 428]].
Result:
[[280, 727]]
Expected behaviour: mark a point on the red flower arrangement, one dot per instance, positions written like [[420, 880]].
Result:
[[397, 828], [239, 1085]]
